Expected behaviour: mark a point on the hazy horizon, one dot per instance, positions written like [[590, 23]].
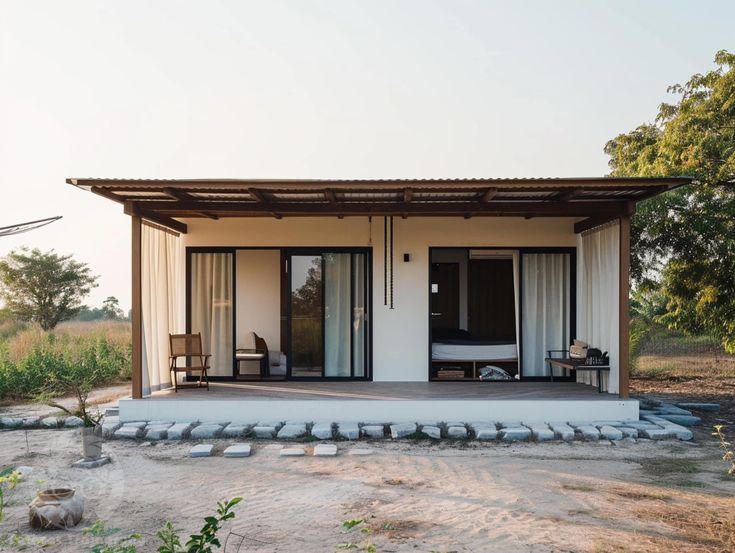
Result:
[[328, 89]]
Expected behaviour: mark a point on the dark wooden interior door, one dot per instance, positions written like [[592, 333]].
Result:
[[491, 307], [445, 295]]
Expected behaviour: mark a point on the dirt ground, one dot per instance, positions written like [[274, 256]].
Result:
[[668, 496]]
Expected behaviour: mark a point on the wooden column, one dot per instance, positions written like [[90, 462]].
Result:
[[137, 308], [624, 315]]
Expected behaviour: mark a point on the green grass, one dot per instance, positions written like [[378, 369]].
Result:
[[669, 467], [33, 362]]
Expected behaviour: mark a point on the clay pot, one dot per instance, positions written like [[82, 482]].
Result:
[[56, 509], [92, 441]]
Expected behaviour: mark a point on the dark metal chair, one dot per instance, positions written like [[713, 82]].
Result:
[[189, 346]]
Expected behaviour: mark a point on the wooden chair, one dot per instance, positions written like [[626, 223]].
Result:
[[189, 346]]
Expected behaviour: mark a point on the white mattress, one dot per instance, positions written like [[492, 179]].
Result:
[[472, 352]]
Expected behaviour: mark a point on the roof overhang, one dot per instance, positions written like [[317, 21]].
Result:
[[599, 199]]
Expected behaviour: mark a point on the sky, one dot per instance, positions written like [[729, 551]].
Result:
[[319, 89]]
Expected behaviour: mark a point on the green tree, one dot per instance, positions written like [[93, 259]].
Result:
[[46, 288], [111, 309], [683, 241]]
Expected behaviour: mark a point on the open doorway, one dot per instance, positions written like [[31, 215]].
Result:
[[474, 314]]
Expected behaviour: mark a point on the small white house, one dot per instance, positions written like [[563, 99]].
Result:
[[382, 299]]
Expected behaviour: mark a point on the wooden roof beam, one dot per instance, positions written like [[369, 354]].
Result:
[[627, 210], [132, 208], [179, 195], [489, 194], [330, 196], [407, 195], [570, 194], [535, 209]]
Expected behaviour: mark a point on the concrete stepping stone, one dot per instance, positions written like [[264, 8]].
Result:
[[292, 431], [457, 433], [179, 431], [541, 433], [360, 451], [348, 430], [515, 433], [51, 422], [325, 450], [484, 430], [11, 422], [402, 430], [237, 450], [322, 430], [110, 426], [589, 432], [205, 431], [683, 420], [135, 424], [74, 422], [375, 431], [511, 424], [608, 432], [671, 409], [628, 432], [433, 432], [700, 406], [264, 431], [656, 433], [292, 452], [31, 422], [562, 431], [128, 432], [675, 430], [201, 450], [157, 431], [235, 430]]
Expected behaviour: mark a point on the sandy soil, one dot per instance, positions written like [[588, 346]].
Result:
[[415, 496], [100, 397]]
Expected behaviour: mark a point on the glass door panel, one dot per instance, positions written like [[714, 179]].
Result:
[[337, 309], [328, 315], [359, 313], [307, 316]]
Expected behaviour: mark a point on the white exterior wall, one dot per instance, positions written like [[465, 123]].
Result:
[[400, 336]]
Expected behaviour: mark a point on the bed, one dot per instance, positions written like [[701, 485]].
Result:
[[453, 348]]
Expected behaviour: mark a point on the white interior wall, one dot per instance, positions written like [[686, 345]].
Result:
[[400, 335], [258, 297]]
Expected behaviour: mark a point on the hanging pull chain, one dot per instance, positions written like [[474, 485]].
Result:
[[385, 260], [391, 261]]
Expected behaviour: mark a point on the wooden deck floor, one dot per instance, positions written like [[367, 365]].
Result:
[[387, 391]]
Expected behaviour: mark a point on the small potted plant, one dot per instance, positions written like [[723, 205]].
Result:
[[92, 429]]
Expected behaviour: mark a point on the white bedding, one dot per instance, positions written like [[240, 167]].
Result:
[[472, 352]]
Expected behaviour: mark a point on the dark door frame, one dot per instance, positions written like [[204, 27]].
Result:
[[367, 291], [572, 251], [286, 281]]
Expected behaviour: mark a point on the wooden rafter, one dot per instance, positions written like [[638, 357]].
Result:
[[489, 194], [134, 209]]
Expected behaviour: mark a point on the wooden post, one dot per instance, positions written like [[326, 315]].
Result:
[[624, 315], [137, 308]]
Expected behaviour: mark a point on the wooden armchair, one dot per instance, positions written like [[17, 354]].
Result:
[[189, 346]]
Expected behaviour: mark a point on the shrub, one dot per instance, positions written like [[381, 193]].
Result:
[[34, 362]]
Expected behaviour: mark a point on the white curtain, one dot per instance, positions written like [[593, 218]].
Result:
[[517, 299], [598, 277], [163, 303], [337, 313], [545, 311], [211, 308], [358, 314]]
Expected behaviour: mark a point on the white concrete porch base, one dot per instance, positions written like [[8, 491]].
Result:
[[244, 411]]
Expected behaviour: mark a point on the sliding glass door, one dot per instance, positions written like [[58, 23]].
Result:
[[328, 314]]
